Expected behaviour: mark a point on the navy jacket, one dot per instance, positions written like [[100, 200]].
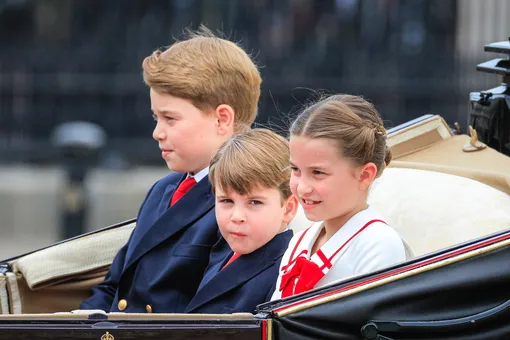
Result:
[[245, 283], [162, 265]]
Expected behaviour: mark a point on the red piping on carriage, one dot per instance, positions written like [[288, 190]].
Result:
[[264, 329], [396, 271]]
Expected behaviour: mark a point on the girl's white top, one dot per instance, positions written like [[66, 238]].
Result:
[[376, 247]]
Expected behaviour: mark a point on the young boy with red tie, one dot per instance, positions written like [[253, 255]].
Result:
[[202, 90], [250, 179]]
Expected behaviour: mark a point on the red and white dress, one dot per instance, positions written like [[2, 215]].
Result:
[[364, 244]]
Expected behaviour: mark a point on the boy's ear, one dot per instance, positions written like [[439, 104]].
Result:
[[367, 175], [291, 207], [224, 115]]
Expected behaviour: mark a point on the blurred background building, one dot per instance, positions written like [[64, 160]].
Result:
[[80, 60]]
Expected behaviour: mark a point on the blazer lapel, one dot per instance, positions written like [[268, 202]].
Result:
[[161, 208], [194, 204], [167, 196], [238, 272]]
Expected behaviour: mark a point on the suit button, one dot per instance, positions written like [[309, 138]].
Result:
[[122, 305], [148, 308]]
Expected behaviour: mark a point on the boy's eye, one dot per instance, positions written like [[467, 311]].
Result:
[[169, 118], [225, 200], [255, 202], [317, 172]]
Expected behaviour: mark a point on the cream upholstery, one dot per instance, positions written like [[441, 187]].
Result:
[[59, 277], [59, 263], [432, 210], [4, 302], [430, 145], [13, 293]]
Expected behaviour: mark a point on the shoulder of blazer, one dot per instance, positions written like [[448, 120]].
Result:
[[172, 178], [275, 248], [159, 187], [161, 184]]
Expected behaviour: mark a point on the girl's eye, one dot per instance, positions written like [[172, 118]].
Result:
[[317, 172], [255, 202], [294, 169]]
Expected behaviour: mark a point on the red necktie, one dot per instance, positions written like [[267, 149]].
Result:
[[232, 259], [183, 188]]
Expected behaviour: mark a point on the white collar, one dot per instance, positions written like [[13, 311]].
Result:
[[347, 230], [357, 221], [199, 175], [332, 249]]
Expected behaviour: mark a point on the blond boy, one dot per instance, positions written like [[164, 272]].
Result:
[[202, 89]]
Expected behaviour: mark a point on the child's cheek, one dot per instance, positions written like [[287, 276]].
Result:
[[293, 184]]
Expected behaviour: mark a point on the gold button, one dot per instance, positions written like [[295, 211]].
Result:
[[148, 308], [122, 305]]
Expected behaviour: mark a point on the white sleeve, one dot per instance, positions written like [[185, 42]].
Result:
[[380, 248], [285, 260]]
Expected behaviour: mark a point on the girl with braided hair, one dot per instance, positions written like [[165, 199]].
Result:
[[337, 149]]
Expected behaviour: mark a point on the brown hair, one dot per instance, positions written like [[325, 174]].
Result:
[[256, 157], [208, 71], [351, 121]]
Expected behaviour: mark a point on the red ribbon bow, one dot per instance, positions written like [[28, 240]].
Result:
[[307, 274]]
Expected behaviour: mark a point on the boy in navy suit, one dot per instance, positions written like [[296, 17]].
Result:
[[202, 90], [250, 179]]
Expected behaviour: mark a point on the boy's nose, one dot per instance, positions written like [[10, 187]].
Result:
[[237, 216], [158, 133]]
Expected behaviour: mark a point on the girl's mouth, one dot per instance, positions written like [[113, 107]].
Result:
[[308, 204]]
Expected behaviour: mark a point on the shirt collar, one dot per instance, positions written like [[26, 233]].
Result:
[[200, 175]]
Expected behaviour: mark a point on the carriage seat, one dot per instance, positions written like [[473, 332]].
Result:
[[433, 210]]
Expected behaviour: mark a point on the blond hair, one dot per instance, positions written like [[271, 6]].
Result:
[[351, 121], [256, 157], [208, 71]]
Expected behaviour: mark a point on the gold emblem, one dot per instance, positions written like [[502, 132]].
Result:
[[474, 144], [107, 336]]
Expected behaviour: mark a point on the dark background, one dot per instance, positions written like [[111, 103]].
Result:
[[65, 60], [68, 60]]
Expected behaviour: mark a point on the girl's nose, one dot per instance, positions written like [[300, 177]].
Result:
[[304, 188]]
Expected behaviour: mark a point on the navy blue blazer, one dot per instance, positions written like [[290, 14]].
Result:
[[162, 265], [245, 283]]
